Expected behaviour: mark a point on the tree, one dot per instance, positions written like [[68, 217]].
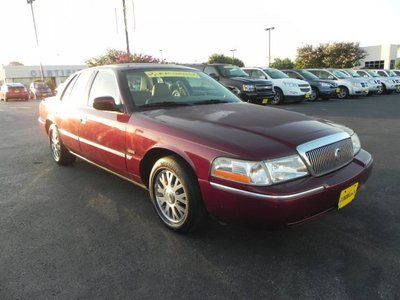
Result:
[[282, 64], [114, 56], [223, 59], [15, 63], [336, 55], [398, 65]]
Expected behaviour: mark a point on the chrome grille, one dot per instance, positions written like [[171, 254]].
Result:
[[262, 87], [330, 157], [304, 89]]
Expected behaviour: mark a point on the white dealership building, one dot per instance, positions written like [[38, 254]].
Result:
[[381, 56], [27, 74]]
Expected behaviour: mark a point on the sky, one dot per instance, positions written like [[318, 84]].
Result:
[[188, 31]]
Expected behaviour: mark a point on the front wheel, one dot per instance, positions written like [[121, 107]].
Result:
[[176, 195], [314, 94], [278, 99], [343, 92], [60, 153]]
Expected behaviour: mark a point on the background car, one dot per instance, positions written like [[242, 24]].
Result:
[[286, 89], [397, 72], [320, 88], [347, 86], [13, 91], [258, 91], [390, 82], [374, 85], [40, 90]]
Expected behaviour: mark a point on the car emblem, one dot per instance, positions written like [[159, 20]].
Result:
[[338, 154]]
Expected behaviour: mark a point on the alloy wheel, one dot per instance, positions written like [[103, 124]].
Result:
[[171, 197], [342, 93], [55, 145]]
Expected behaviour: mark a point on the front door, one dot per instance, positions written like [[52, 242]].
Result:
[[102, 133]]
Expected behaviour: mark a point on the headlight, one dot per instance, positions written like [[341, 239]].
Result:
[[325, 84], [290, 84], [356, 143], [248, 87], [259, 173]]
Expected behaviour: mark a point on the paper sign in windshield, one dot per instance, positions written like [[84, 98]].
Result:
[[155, 74]]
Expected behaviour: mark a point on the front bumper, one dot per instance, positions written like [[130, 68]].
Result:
[[328, 92], [297, 98], [359, 91], [257, 98], [284, 204]]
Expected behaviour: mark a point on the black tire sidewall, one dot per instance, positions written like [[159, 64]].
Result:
[[280, 93]]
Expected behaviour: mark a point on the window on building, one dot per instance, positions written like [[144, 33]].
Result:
[[392, 64], [375, 64]]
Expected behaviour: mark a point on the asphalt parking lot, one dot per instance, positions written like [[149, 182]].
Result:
[[79, 232]]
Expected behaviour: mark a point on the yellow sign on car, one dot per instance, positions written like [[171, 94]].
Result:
[[155, 74], [347, 195]]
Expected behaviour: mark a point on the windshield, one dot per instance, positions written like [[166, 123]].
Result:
[[308, 75], [372, 73], [232, 71], [339, 74], [397, 72], [168, 87], [352, 73], [391, 73], [275, 74]]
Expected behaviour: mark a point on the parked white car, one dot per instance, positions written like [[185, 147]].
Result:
[[374, 85], [348, 86], [286, 89], [385, 85], [390, 81]]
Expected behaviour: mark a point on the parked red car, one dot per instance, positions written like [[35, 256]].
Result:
[[15, 91], [201, 151]]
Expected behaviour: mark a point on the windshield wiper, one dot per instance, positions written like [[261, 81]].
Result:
[[210, 101], [164, 104]]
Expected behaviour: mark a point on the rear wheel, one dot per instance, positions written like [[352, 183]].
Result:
[[278, 99], [343, 92], [314, 94], [60, 153], [176, 195]]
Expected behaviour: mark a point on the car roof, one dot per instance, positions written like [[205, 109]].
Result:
[[141, 66], [15, 84]]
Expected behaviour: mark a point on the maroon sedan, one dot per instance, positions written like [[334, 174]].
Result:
[[13, 91], [199, 150]]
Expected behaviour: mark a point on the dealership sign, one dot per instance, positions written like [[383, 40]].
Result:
[[34, 71]]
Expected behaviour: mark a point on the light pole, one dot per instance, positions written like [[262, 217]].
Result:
[[161, 53], [269, 29], [126, 27], [233, 52], [36, 35]]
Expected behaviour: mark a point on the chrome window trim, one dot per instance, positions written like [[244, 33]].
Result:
[[324, 141], [265, 196]]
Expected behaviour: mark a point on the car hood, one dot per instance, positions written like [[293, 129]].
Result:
[[250, 80], [240, 129], [291, 80]]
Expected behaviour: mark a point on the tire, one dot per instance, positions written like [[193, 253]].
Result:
[[176, 196], [343, 92], [59, 152], [279, 98], [314, 94]]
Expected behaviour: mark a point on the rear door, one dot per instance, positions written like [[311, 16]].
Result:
[[102, 133], [73, 99]]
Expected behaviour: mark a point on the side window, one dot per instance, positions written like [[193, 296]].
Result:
[[68, 88], [257, 74], [105, 84], [210, 69], [78, 93], [381, 73], [324, 75], [294, 75]]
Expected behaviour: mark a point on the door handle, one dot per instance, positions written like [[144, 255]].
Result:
[[84, 120]]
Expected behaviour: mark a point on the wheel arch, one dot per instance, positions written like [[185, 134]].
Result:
[[154, 154]]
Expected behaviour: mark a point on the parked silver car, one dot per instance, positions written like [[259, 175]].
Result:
[[389, 79], [374, 85], [347, 85]]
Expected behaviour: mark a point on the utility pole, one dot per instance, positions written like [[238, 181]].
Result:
[[233, 52], [269, 43], [30, 2], [126, 28]]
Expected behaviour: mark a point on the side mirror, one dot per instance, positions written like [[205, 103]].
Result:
[[214, 76], [262, 77], [330, 77], [105, 103]]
